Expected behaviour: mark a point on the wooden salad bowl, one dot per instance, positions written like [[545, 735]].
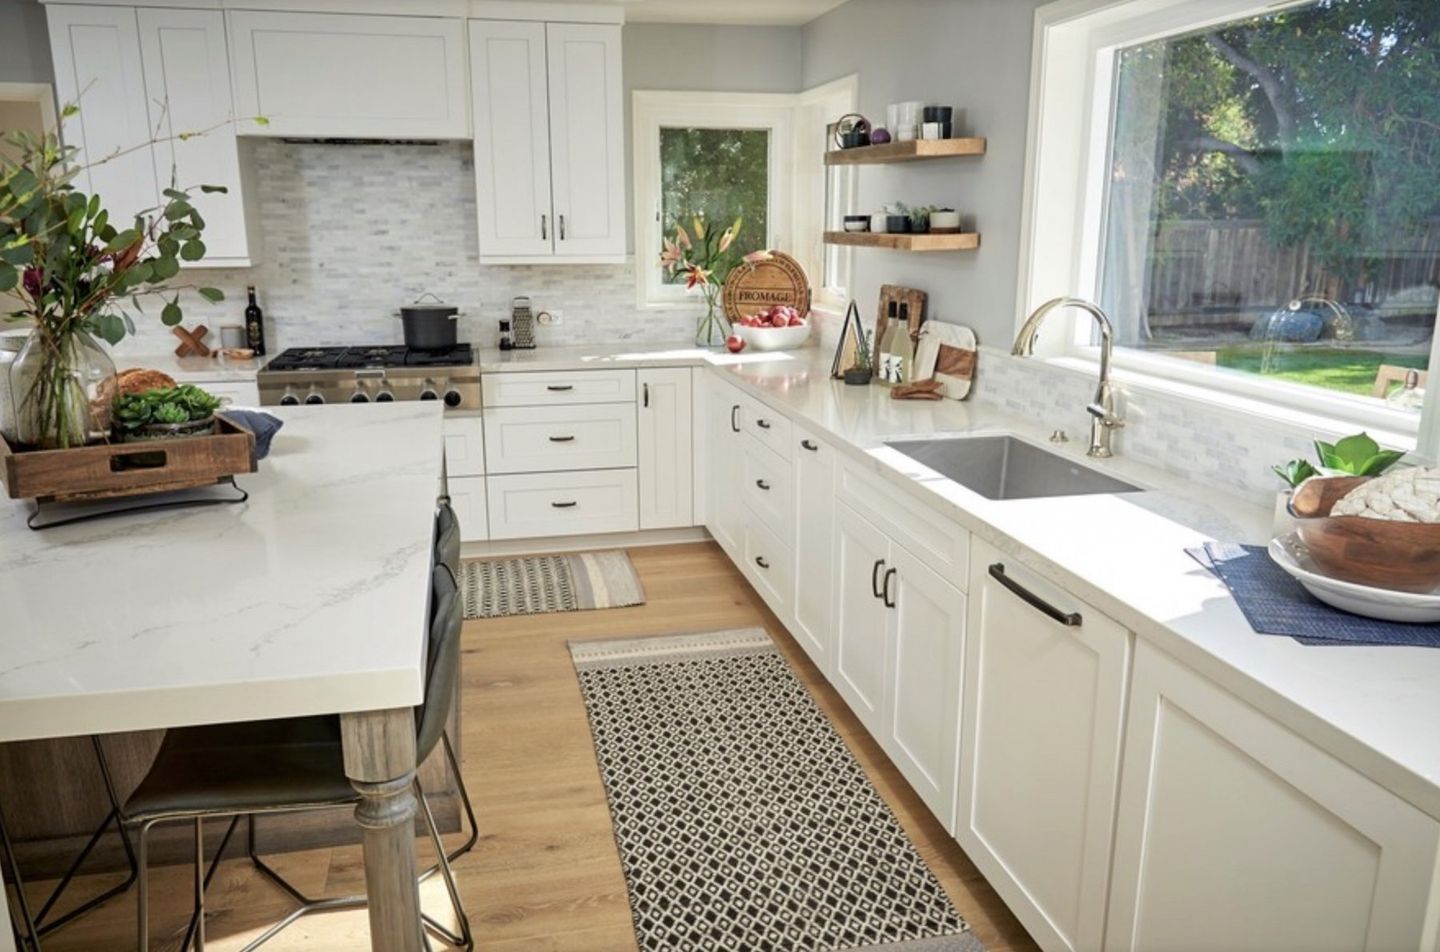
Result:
[[1400, 556]]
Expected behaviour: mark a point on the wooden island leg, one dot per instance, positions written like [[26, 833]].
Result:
[[380, 762]]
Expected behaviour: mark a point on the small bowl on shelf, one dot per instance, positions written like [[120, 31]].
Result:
[[1379, 553], [773, 338], [857, 222]]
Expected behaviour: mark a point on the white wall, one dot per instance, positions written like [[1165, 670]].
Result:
[[974, 55], [24, 43]]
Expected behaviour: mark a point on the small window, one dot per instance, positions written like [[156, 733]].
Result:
[[1271, 201], [719, 175], [836, 260]]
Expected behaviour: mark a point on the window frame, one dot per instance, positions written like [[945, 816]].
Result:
[[1064, 206]]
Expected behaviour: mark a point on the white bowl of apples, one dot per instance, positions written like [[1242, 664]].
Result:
[[778, 327]]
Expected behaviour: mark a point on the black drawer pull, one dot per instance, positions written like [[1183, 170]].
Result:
[[560, 387], [762, 484], [763, 424], [562, 439], [889, 599], [875, 578], [646, 389], [1068, 619], [806, 444], [734, 422], [565, 505], [760, 561]]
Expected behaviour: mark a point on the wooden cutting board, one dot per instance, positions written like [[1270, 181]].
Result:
[[914, 302], [751, 288], [946, 353]]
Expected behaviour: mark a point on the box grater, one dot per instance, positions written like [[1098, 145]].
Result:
[[523, 321]]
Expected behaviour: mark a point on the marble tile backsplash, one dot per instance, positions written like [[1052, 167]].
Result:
[[351, 232]]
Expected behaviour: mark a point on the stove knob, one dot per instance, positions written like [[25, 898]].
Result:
[[289, 400], [429, 392], [384, 396], [359, 396], [453, 398], [314, 398]]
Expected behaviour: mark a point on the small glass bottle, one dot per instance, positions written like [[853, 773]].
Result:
[[898, 350], [507, 340]]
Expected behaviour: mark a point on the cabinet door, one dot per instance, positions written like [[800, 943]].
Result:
[[187, 74], [97, 66], [512, 139], [1044, 706], [587, 123], [862, 556], [924, 655], [464, 445], [666, 454], [467, 496], [347, 75], [724, 511], [813, 489], [1230, 821]]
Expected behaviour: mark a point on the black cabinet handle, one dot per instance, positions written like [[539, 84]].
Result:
[[564, 505], [806, 444], [646, 389], [875, 578], [562, 227], [559, 388], [763, 424], [889, 599], [760, 561], [762, 484], [562, 439], [1068, 619], [735, 418], [544, 228]]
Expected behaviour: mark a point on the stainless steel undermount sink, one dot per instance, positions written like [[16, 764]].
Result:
[[1003, 467]]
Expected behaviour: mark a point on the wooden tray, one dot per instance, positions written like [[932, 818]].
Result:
[[110, 470], [751, 288]]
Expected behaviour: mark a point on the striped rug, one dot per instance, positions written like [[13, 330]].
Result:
[[495, 588]]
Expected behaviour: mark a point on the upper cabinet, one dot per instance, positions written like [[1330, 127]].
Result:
[[350, 76], [146, 74], [549, 148]]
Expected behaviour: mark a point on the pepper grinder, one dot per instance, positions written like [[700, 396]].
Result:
[[507, 342]]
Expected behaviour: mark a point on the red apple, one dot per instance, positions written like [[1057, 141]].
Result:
[[797, 321], [734, 344]]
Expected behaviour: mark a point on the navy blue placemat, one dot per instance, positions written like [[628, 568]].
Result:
[[1276, 604]]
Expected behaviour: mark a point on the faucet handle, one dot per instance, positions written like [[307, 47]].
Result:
[[1106, 416]]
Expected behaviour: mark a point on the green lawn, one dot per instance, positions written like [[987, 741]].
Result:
[[1350, 371]]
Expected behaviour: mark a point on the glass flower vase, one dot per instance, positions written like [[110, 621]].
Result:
[[712, 329], [62, 384]]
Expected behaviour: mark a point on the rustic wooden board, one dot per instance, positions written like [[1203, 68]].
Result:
[[751, 288], [962, 241], [916, 150], [109, 470], [914, 302]]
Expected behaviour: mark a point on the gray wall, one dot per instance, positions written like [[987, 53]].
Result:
[[665, 56], [24, 43], [974, 55]]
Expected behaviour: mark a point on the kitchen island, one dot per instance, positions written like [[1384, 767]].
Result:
[[310, 598]]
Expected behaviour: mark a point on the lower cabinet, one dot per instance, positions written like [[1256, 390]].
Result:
[[467, 497], [536, 505], [899, 635], [724, 515], [666, 451], [813, 489], [1044, 705], [1231, 825]]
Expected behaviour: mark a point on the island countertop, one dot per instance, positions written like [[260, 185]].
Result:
[[309, 598]]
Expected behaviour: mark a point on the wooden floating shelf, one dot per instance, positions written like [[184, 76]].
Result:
[[964, 241], [913, 151]]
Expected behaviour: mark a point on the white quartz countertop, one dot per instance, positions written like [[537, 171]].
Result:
[[193, 369], [309, 598]]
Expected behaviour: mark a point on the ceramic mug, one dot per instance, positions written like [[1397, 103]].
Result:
[[877, 223], [906, 133]]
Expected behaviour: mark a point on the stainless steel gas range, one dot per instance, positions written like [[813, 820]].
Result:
[[381, 374]]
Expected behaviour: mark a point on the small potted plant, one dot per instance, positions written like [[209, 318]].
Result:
[[920, 218], [165, 413], [859, 373], [1357, 455]]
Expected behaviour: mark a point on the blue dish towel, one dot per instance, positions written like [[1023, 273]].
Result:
[[262, 424], [1276, 604]]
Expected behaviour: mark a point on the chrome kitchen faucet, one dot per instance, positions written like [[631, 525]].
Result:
[[1104, 421]]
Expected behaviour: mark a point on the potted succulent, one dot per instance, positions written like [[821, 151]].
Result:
[[920, 218], [165, 413], [1357, 455]]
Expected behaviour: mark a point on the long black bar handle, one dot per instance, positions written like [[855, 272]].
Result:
[[1068, 619], [560, 388], [889, 599], [735, 418], [646, 389], [875, 578], [564, 505], [544, 228]]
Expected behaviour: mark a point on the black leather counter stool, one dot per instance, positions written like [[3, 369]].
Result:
[[286, 766]]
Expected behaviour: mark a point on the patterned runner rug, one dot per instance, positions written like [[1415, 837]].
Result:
[[495, 588], [743, 820]]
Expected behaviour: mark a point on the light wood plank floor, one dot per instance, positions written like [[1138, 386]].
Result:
[[545, 876]]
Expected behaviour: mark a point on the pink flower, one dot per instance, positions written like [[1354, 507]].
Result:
[[696, 276], [682, 237], [731, 233], [671, 257], [755, 257]]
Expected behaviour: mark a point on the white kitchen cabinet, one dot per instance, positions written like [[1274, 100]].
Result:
[[1234, 829], [96, 51], [559, 439], [1043, 716], [814, 493], [467, 497], [187, 81], [769, 564], [349, 75], [549, 119], [666, 451], [724, 512], [587, 143], [861, 618], [464, 445], [558, 388], [764, 487], [536, 505]]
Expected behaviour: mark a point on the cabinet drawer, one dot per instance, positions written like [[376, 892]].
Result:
[[467, 496], [237, 393], [767, 426], [556, 389], [464, 446], [765, 486], [940, 543], [553, 439], [770, 566], [558, 504]]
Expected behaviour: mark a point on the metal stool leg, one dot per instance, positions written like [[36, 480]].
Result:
[[470, 842], [30, 937], [464, 940]]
